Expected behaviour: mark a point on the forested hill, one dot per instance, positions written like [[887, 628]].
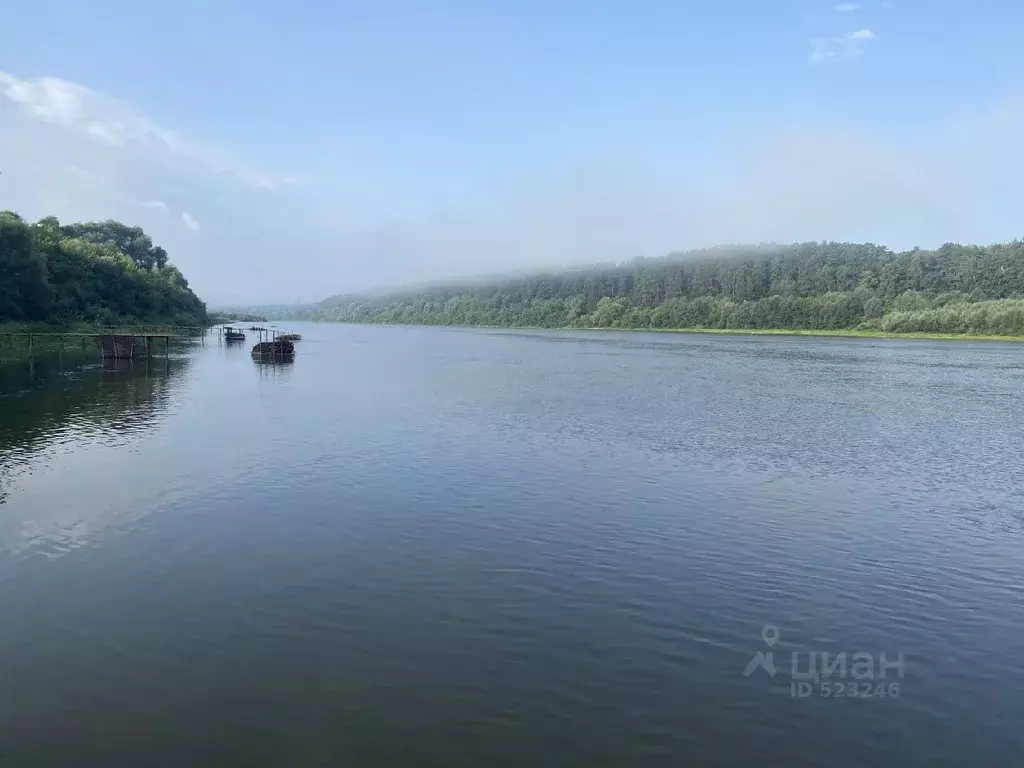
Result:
[[97, 272], [955, 289]]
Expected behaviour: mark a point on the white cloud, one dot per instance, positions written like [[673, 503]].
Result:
[[110, 123], [843, 48], [846, 7], [190, 220], [160, 205]]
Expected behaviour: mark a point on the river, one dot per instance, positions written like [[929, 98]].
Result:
[[425, 546]]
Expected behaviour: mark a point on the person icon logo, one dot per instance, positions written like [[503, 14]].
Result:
[[764, 659]]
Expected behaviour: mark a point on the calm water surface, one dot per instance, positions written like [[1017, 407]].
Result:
[[419, 546]]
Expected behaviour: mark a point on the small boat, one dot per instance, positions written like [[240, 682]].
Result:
[[230, 334], [289, 337]]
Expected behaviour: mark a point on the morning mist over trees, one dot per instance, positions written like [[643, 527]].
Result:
[[956, 289]]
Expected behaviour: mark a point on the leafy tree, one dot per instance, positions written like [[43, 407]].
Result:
[[131, 241], [25, 293], [873, 308], [100, 272]]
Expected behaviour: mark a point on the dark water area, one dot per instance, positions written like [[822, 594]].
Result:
[[420, 546]]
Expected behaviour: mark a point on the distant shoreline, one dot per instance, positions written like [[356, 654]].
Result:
[[839, 333], [852, 333]]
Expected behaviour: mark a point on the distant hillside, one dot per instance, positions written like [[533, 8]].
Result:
[[95, 272], [819, 286]]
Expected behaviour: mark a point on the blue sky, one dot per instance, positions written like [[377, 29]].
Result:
[[286, 151]]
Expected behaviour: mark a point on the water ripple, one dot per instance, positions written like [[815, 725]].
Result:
[[420, 546]]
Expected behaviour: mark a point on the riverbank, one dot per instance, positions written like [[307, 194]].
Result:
[[851, 333], [833, 333]]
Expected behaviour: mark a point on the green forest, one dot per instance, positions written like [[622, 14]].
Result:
[[956, 289], [97, 273]]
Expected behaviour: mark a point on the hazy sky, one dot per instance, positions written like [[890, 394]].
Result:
[[296, 150]]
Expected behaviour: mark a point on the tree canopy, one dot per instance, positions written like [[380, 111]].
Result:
[[813, 285], [94, 272]]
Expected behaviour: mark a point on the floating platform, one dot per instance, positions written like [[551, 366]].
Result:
[[280, 349]]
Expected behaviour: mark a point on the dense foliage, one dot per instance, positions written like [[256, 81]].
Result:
[[224, 317], [96, 272], [820, 286]]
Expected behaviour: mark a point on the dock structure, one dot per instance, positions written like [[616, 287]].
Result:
[[117, 346], [112, 344]]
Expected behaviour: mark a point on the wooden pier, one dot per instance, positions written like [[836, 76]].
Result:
[[119, 344], [142, 341]]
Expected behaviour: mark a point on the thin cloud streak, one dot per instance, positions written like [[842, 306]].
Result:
[[114, 124], [843, 48]]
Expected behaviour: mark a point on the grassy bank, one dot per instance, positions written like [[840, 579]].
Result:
[[852, 333]]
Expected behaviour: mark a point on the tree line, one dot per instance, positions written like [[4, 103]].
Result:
[[99, 272], [810, 286]]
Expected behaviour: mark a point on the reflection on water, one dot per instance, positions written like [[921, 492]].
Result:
[[280, 370], [58, 401]]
